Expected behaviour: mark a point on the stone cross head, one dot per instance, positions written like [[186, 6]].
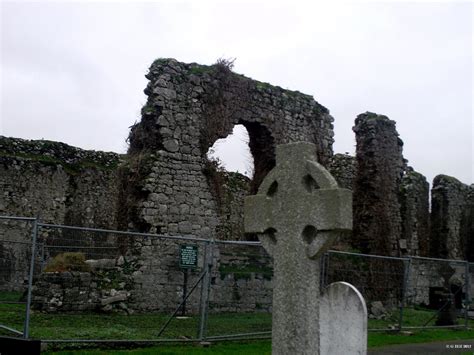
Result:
[[299, 207]]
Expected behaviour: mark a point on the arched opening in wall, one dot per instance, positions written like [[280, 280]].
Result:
[[233, 152], [250, 151], [262, 147]]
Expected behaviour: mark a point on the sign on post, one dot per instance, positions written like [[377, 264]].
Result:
[[188, 256]]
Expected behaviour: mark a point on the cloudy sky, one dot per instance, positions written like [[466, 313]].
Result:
[[74, 72]]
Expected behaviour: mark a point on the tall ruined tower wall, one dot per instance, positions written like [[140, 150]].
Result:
[[415, 214], [452, 218], [379, 170]]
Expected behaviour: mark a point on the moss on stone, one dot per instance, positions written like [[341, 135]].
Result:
[[68, 262], [69, 168], [197, 69]]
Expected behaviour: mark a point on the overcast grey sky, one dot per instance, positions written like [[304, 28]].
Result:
[[74, 72]]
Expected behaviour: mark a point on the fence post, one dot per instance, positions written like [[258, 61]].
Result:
[[467, 296], [205, 290], [34, 237], [323, 273], [406, 264]]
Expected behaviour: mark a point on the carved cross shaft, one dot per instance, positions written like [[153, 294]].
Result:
[[298, 212]]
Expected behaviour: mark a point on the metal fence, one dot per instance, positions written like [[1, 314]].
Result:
[[72, 284], [408, 292]]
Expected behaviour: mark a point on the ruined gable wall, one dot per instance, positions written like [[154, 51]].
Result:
[[189, 107]]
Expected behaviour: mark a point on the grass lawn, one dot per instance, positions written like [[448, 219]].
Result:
[[260, 347], [147, 326]]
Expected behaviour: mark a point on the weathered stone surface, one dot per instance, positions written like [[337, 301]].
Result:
[[152, 281], [343, 319], [297, 213], [342, 167], [56, 182], [189, 107], [452, 226], [379, 170], [377, 310], [101, 263], [415, 214], [164, 184], [118, 297]]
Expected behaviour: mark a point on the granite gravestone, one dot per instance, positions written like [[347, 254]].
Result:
[[298, 211]]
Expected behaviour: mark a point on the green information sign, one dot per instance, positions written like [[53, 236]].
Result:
[[188, 256]]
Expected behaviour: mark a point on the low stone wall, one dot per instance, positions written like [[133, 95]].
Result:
[[426, 274], [105, 288], [153, 282]]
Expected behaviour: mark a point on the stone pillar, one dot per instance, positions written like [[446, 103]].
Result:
[[414, 199], [451, 225], [379, 169]]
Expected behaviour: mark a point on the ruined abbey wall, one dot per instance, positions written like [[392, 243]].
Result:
[[166, 184], [415, 214], [452, 222], [391, 200], [379, 170], [343, 168], [58, 183], [176, 190]]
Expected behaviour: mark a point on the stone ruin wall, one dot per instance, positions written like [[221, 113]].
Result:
[[452, 219], [189, 107], [343, 168], [380, 167], [414, 203], [391, 200], [150, 280], [166, 185], [57, 183], [425, 275]]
